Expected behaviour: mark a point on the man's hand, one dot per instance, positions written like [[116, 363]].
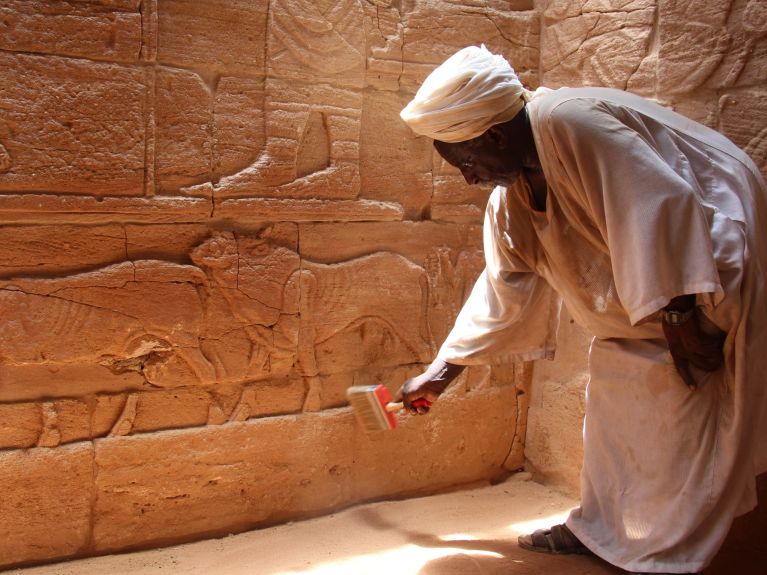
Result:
[[690, 344], [429, 385]]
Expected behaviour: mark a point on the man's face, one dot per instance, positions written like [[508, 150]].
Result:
[[482, 160]]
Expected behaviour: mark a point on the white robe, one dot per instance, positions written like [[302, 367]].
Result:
[[643, 205]]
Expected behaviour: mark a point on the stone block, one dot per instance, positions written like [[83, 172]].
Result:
[[20, 425], [312, 144], [436, 30], [184, 130], [221, 35], [171, 409], [46, 503], [46, 249], [594, 44], [417, 241], [317, 41], [36, 381], [239, 131], [94, 29], [65, 421], [106, 410], [177, 485], [88, 210], [384, 30], [738, 113], [432, 452], [170, 242], [71, 126], [449, 257], [397, 165], [693, 41]]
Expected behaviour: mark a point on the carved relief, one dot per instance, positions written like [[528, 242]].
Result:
[[351, 314], [124, 423], [312, 105], [5, 159], [247, 309], [450, 285], [693, 41], [600, 43], [50, 436], [749, 35]]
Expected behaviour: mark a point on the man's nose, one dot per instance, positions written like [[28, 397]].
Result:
[[470, 177]]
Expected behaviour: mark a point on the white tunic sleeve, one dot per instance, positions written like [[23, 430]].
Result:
[[512, 314], [635, 185]]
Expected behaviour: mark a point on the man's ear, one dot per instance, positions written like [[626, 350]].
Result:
[[496, 135]]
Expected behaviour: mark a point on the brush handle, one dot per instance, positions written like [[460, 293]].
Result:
[[420, 402]]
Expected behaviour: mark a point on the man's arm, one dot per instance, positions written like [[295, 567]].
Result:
[[429, 385]]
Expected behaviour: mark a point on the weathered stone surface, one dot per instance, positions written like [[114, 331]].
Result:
[[65, 421], [319, 40], [57, 249], [171, 242], [693, 41], [392, 464], [384, 29], [48, 208], [248, 308], [214, 222], [97, 29], [597, 43], [554, 440], [312, 144], [213, 34], [437, 29], [311, 210], [46, 502], [182, 484], [256, 479], [398, 164], [239, 130], [71, 126], [184, 130], [417, 241], [737, 113], [39, 381], [20, 425]]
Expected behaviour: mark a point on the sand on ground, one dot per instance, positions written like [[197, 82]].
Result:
[[464, 532], [468, 532]]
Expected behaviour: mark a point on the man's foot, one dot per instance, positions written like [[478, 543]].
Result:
[[558, 540]]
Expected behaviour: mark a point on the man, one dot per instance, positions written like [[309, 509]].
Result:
[[650, 228]]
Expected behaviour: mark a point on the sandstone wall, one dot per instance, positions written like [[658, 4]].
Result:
[[706, 59], [213, 223]]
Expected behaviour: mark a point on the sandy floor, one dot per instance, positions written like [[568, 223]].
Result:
[[460, 533], [470, 532]]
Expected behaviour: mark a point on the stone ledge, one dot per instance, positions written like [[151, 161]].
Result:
[[49, 208]]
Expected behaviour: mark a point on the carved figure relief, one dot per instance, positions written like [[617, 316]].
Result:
[[247, 309], [312, 105]]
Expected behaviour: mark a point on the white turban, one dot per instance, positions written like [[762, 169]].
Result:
[[471, 91]]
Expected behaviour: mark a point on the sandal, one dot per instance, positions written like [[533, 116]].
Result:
[[558, 540]]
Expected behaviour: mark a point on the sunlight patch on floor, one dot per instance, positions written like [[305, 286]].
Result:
[[405, 559]]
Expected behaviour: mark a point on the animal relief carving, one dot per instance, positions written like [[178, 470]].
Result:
[[246, 310]]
